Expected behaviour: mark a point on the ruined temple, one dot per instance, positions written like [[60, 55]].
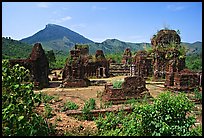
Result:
[[80, 66], [161, 44], [127, 56], [143, 62], [38, 65], [180, 78], [102, 64], [164, 37]]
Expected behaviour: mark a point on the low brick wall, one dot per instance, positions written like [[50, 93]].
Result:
[[76, 83], [100, 111], [132, 87]]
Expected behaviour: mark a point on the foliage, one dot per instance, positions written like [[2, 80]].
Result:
[[89, 105], [194, 62], [51, 58], [117, 84], [197, 131], [108, 104], [70, 106], [13, 49], [48, 111], [18, 104], [46, 98], [167, 116], [117, 57], [197, 94]]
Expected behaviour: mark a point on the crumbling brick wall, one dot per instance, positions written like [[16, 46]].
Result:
[[119, 69], [127, 56], [74, 69], [183, 79], [165, 36], [143, 64], [102, 64], [186, 80], [159, 43], [84, 49], [80, 66], [38, 65], [132, 87]]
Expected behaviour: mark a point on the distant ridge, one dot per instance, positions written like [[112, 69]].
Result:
[[59, 38]]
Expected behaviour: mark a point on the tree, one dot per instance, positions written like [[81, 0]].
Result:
[[51, 57]]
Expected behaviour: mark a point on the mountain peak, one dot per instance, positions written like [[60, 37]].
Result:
[[50, 25], [53, 32]]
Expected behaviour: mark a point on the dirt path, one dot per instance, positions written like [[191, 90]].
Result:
[[79, 96]]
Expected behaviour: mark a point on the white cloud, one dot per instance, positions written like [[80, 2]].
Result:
[[66, 18], [175, 7], [61, 19], [98, 8], [43, 5]]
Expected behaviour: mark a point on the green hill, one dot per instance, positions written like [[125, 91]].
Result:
[[115, 46], [15, 49]]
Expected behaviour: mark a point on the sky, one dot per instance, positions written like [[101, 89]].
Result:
[[127, 21]]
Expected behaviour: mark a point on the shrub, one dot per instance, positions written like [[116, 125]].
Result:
[[197, 94], [70, 106], [18, 104], [167, 116], [89, 105], [48, 111], [117, 84]]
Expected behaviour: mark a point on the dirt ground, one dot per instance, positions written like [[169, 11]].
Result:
[[65, 124]]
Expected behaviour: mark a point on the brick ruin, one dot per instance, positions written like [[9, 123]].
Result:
[[180, 78], [38, 65], [102, 64], [123, 68], [132, 87], [143, 63], [119, 69], [127, 56], [81, 65], [169, 62], [160, 43]]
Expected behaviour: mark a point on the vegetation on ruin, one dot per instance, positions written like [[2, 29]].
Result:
[[117, 84], [18, 104]]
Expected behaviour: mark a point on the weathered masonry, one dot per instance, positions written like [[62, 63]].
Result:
[[38, 65]]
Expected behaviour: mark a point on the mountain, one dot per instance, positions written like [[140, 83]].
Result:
[[194, 48], [115, 46], [59, 38], [55, 37]]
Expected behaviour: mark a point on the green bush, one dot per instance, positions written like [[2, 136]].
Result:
[[117, 84], [18, 104], [197, 94], [48, 111], [69, 106], [167, 116], [89, 105]]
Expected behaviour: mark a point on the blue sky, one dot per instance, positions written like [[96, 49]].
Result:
[[98, 21]]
